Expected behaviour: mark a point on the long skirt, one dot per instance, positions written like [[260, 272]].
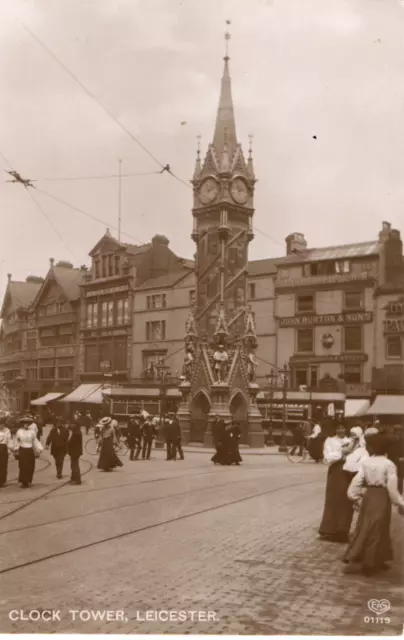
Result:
[[3, 464], [233, 453], [338, 509], [371, 544], [108, 458], [220, 456], [315, 448], [26, 465]]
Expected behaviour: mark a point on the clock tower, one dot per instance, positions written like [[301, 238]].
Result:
[[220, 335]]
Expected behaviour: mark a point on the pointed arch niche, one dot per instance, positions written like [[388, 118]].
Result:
[[239, 412], [200, 408]]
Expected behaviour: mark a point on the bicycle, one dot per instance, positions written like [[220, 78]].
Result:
[[92, 447], [303, 457]]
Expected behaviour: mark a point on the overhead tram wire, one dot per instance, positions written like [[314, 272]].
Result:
[[101, 177], [89, 93], [89, 215]]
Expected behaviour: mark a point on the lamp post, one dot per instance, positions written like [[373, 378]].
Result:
[[270, 380], [285, 377]]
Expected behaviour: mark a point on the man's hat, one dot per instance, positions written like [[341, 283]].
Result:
[[105, 421]]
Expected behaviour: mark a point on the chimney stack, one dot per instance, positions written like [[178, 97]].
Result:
[[295, 243], [51, 261], [9, 277]]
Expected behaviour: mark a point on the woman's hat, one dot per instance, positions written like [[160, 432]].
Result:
[[26, 419], [105, 421]]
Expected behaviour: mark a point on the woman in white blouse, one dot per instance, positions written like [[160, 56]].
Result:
[[338, 510], [25, 438], [356, 451], [5, 447], [376, 485]]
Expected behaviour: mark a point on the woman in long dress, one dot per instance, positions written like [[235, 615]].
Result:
[[108, 459], [5, 447], [233, 434], [219, 438], [25, 439], [375, 485], [315, 443], [338, 509]]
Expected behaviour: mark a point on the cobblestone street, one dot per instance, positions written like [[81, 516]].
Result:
[[238, 545]]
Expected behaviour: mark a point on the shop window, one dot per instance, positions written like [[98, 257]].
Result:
[[92, 314], [65, 373], [104, 314], [301, 377], [110, 313], [305, 304], [117, 260], [353, 338], [352, 373], [353, 300], [394, 347], [47, 373], [304, 340]]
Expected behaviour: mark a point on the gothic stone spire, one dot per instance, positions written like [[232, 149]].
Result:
[[225, 129]]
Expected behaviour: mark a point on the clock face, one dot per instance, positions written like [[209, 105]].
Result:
[[239, 191], [208, 191]]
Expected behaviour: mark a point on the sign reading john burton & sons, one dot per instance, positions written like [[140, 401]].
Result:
[[357, 317]]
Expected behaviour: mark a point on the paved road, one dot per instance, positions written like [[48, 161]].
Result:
[[235, 545]]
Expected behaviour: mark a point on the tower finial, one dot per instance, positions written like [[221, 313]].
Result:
[[197, 171], [198, 149], [227, 37], [250, 141]]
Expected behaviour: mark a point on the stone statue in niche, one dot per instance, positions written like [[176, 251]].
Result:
[[188, 363], [221, 359], [252, 364]]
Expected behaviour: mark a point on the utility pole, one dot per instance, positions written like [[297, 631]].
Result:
[[285, 373], [119, 197]]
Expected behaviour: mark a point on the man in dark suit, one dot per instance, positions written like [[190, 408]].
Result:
[[57, 440], [148, 432], [176, 438], [75, 450], [134, 437]]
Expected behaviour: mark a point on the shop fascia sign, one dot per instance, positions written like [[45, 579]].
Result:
[[394, 323], [357, 317], [106, 292], [342, 357]]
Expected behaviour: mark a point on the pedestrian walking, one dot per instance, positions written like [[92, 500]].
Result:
[[233, 433], [315, 443], [175, 439], [219, 437], [298, 439], [75, 450], [88, 422], [39, 423], [148, 433], [338, 509], [25, 441], [6, 445], [57, 441], [374, 489], [134, 432], [108, 459]]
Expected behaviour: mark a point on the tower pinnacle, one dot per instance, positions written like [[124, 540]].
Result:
[[225, 129]]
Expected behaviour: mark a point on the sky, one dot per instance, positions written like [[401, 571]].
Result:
[[318, 84]]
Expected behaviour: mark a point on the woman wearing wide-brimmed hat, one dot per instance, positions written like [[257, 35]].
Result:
[[25, 441], [108, 459]]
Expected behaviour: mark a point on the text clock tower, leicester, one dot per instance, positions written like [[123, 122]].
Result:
[[220, 334]]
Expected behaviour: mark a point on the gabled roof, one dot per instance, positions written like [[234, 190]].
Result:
[[132, 249], [68, 280], [337, 252], [167, 280], [20, 295]]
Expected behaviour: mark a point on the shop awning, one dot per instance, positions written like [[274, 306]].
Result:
[[82, 393], [387, 406], [302, 396], [48, 397], [356, 408], [96, 397]]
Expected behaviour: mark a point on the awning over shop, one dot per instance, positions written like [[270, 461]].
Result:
[[356, 408], [140, 392], [82, 392], [97, 396], [302, 396], [387, 406], [48, 397]]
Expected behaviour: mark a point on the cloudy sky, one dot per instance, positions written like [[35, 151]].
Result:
[[332, 69]]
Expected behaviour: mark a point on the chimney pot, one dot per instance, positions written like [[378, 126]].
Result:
[[9, 277], [51, 261]]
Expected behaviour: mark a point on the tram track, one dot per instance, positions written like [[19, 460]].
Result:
[[155, 525], [53, 488], [131, 504]]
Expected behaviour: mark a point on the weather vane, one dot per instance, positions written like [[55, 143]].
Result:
[[250, 140], [227, 37]]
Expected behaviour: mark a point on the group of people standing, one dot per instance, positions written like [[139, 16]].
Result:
[[226, 437], [25, 445], [360, 477], [143, 428]]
